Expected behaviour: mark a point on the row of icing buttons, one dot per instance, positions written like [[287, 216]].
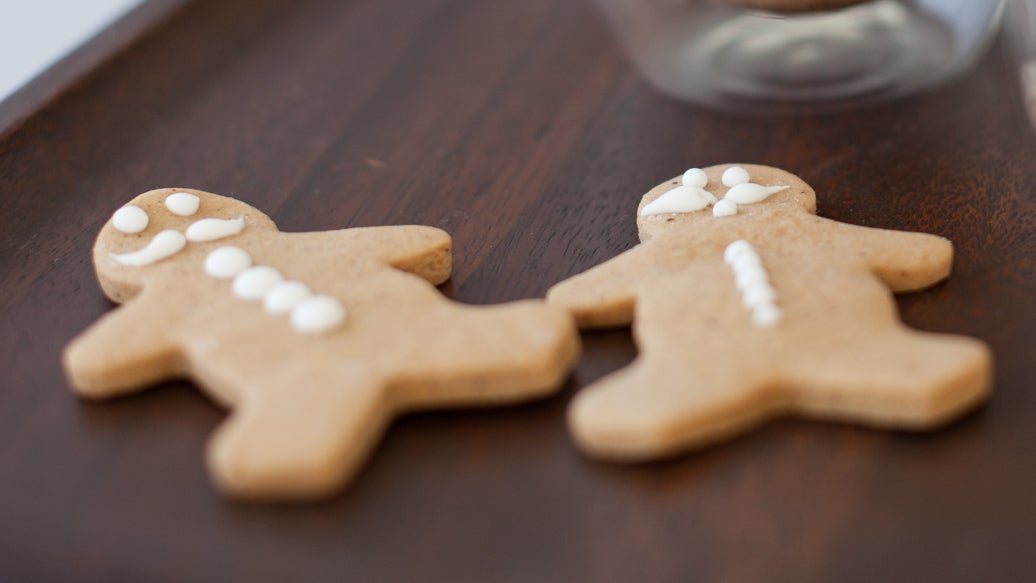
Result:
[[753, 282], [309, 313]]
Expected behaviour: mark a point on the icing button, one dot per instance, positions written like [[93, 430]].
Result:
[[284, 296], [226, 262], [254, 282], [317, 314]]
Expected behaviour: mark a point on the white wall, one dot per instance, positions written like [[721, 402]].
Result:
[[35, 34]]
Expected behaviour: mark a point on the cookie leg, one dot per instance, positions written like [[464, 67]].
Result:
[[651, 409], [903, 379], [297, 437]]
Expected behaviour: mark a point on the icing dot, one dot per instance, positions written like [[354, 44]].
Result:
[[750, 276], [746, 260], [696, 178], [254, 282], [735, 175], [766, 315], [130, 219], [226, 262], [184, 204], [212, 229], [165, 244], [724, 208], [317, 314], [757, 295], [736, 248], [284, 296]]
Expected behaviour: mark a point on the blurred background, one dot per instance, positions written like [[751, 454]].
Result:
[[35, 35]]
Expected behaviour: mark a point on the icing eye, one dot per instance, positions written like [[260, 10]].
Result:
[[184, 204], [130, 219], [735, 175], [695, 177]]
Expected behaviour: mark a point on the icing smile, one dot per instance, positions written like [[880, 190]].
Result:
[[163, 245]]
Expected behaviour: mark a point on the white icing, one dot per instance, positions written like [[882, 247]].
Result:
[[735, 175], [682, 199], [212, 229], [766, 315], [164, 244], [724, 208], [317, 314], [284, 296], [758, 294], [130, 219], [749, 192], [746, 262], [737, 248], [226, 262], [309, 313], [753, 282], [254, 282], [695, 177], [748, 277], [184, 204]]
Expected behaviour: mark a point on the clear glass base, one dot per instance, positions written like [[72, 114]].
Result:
[[742, 59]]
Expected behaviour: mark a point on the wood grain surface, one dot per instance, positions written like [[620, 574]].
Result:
[[518, 126]]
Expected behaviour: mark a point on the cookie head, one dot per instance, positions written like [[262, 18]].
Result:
[[163, 231], [722, 192]]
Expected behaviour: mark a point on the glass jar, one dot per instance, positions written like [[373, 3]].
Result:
[[828, 53]]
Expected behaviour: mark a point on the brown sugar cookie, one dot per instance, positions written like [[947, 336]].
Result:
[[314, 340], [746, 305]]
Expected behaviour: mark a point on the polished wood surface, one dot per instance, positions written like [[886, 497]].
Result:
[[519, 127]]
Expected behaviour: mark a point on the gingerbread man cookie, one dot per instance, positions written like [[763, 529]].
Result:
[[314, 340], [746, 305]]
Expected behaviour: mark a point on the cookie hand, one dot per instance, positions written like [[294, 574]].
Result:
[[123, 352], [904, 261], [605, 295]]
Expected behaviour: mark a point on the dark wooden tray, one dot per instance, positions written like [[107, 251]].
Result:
[[517, 126]]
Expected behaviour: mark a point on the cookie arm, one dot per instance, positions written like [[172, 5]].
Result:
[[905, 261], [426, 252], [603, 296], [122, 352], [423, 251]]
